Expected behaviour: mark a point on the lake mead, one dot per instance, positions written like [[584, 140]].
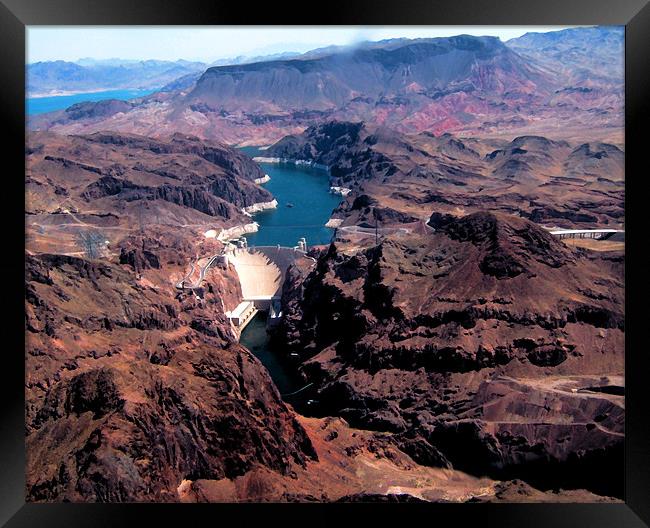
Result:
[[304, 205], [41, 105]]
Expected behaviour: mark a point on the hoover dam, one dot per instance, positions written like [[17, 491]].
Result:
[[261, 271]]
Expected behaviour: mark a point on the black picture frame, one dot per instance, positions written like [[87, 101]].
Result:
[[16, 14]]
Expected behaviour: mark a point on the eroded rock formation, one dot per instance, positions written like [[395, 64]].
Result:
[[406, 177], [128, 394], [487, 345]]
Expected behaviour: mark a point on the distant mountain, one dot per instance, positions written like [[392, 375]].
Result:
[[243, 59], [89, 75], [464, 84], [188, 81], [419, 70], [182, 83], [584, 55], [90, 62]]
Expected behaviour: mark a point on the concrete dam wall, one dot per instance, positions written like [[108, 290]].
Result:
[[261, 271]]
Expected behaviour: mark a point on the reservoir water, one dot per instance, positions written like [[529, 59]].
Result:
[[40, 105], [307, 190], [304, 205]]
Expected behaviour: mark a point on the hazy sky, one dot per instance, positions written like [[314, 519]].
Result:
[[209, 43]]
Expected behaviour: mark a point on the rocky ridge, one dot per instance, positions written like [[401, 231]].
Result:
[[115, 184], [464, 84], [131, 388], [511, 361], [417, 174]]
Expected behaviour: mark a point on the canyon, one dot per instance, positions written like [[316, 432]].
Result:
[[403, 178], [486, 345], [514, 354], [455, 350]]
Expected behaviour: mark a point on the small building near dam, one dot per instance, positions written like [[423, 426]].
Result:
[[243, 314]]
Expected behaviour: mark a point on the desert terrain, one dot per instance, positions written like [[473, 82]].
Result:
[[456, 349]]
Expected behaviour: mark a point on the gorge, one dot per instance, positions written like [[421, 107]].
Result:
[[435, 342]]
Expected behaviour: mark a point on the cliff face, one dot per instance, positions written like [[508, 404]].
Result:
[[132, 389], [487, 344], [113, 184], [547, 181], [206, 176], [331, 81]]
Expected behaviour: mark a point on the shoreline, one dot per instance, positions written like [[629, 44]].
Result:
[[340, 191], [261, 206], [68, 93], [260, 181], [288, 161], [237, 231], [334, 223]]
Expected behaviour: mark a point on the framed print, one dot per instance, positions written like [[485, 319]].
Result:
[[379, 257]]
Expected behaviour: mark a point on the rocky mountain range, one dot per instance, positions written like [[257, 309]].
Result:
[[550, 182], [117, 183], [484, 344], [478, 332], [131, 390], [588, 58], [136, 392], [466, 85], [424, 67], [85, 76], [141, 392], [90, 75], [130, 386]]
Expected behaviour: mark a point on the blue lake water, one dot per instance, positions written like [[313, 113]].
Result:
[[40, 105], [256, 339], [307, 190]]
